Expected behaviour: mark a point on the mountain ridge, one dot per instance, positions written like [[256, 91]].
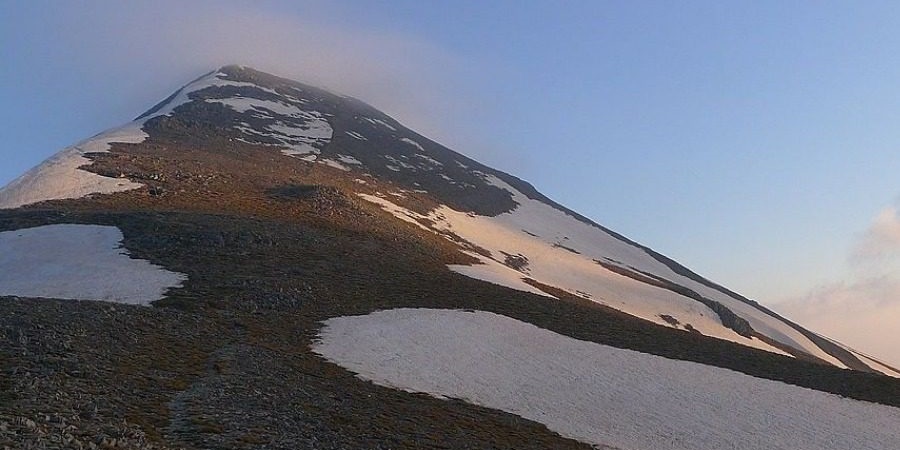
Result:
[[282, 206], [461, 185]]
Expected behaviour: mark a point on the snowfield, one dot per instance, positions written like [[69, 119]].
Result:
[[59, 177], [564, 252], [496, 273], [79, 262], [595, 393], [532, 230]]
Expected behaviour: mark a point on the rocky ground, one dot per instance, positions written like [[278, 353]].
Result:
[[272, 246], [225, 361]]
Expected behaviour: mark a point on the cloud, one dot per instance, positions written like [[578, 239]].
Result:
[[881, 241], [146, 50], [862, 311], [864, 314], [842, 298], [94, 64]]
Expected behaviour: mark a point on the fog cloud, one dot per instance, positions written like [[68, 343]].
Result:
[[881, 240], [149, 50], [864, 310], [864, 314]]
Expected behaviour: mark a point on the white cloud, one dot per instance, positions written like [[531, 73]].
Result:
[[863, 311], [144, 51], [881, 240], [864, 315]]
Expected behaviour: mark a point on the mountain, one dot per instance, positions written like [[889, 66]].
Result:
[[289, 238]]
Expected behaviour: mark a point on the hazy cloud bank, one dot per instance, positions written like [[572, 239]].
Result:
[[138, 53], [882, 240], [863, 311]]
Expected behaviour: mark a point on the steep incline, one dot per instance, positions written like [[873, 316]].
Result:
[[522, 239]]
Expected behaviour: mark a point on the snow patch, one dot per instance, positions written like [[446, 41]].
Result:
[[183, 94], [593, 243], [356, 135], [347, 159], [561, 268], [866, 359], [594, 393], [244, 104], [332, 163], [429, 159], [413, 143], [59, 177], [380, 122], [397, 211], [400, 163], [877, 365], [80, 262], [496, 273]]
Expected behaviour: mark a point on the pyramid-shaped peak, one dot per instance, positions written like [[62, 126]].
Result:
[[245, 126]]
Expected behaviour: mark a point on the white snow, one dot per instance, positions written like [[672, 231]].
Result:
[[563, 269], [356, 135], [397, 211], [314, 134], [244, 104], [867, 360], [594, 393], [347, 159], [877, 365], [580, 274], [82, 262], [332, 163], [429, 159], [380, 122], [59, 177], [183, 95], [297, 140], [400, 163], [413, 143], [593, 243], [496, 273]]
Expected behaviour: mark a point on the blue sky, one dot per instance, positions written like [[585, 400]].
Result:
[[756, 142]]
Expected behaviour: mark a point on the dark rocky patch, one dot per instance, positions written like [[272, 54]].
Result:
[[670, 320], [568, 249], [727, 316], [516, 262]]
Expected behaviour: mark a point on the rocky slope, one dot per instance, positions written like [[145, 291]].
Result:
[[281, 206]]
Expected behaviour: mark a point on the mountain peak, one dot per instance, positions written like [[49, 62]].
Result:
[[241, 114], [289, 238]]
